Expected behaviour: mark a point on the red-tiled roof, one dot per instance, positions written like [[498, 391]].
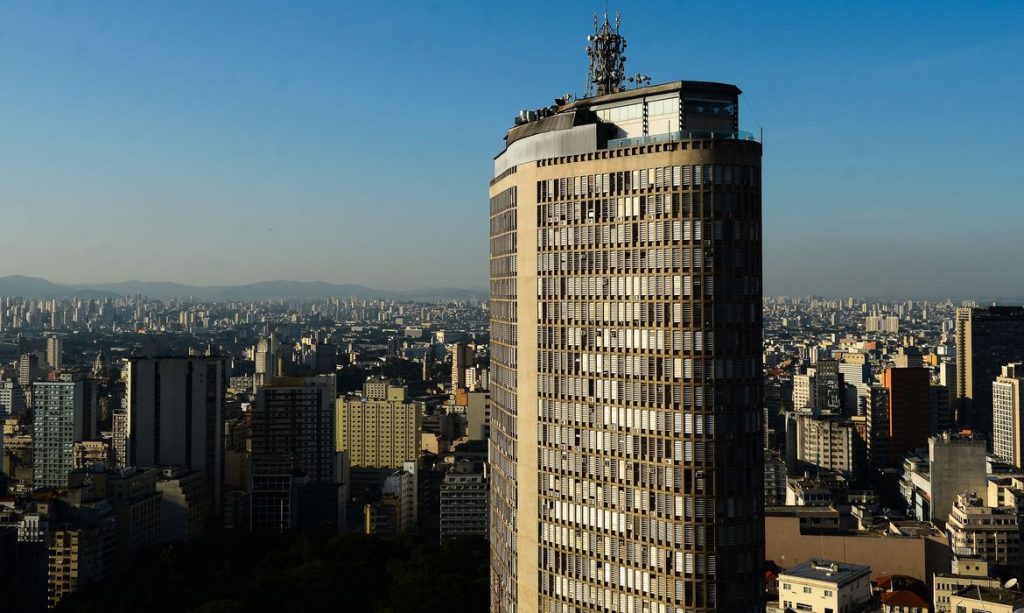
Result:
[[903, 599]]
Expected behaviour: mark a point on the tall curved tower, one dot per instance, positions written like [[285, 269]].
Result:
[[626, 451]]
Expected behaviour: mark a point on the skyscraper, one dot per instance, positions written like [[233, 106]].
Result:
[[626, 447], [174, 416], [986, 340]]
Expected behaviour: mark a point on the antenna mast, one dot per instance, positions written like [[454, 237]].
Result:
[[605, 48]]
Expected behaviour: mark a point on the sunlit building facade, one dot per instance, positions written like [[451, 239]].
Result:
[[626, 444]]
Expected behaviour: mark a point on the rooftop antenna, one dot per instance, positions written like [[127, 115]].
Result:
[[605, 48], [639, 80]]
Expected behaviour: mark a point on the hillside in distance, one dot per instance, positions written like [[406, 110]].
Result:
[[34, 287]]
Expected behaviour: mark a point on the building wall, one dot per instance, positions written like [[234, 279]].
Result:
[[822, 596], [294, 418], [827, 443], [463, 504], [478, 415], [891, 555], [379, 432], [957, 464], [503, 442], [909, 409], [174, 416], [58, 419], [184, 507], [986, 339], [1008, 416]]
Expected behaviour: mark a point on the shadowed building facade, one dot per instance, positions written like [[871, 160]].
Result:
[[626, 444], [986, 340]]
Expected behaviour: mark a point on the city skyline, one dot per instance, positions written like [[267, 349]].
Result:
[[236, 144], [749, 338]]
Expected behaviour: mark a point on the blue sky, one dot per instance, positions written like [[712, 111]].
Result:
[[229, 142]]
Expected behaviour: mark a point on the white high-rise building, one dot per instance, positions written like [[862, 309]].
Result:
[[1008, 415]]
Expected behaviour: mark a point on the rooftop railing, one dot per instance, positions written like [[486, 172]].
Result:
[[680, 135]]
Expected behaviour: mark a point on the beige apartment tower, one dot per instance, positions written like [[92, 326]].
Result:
[[625, 441], [379, 428]]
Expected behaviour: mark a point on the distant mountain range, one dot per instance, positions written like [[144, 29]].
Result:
[[34, 287]]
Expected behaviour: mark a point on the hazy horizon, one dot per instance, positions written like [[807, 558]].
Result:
[[235, 143], [982, 299]]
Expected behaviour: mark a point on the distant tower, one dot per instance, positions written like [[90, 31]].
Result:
[[428, 363], [55, 352], [98, 366], [462, 358]]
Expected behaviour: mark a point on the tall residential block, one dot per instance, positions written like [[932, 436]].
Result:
[[380, 427], [174, 415], [462, 358], [265, 357], [625, 442], [1008, 415], [55, 352], [804, 392], [293, 425], [909, 409], [58, 422], [827, 442], [294, 417], [829, 383], [876, 435], [986, 340], [979, 531], [12, 398], [81, 549], [396, 510], [464, 501]]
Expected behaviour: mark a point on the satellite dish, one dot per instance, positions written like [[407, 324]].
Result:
[[1010, 584]]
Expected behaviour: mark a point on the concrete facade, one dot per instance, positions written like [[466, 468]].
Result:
[[612, 269]]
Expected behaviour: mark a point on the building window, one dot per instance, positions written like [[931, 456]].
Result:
[[807, 590]]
